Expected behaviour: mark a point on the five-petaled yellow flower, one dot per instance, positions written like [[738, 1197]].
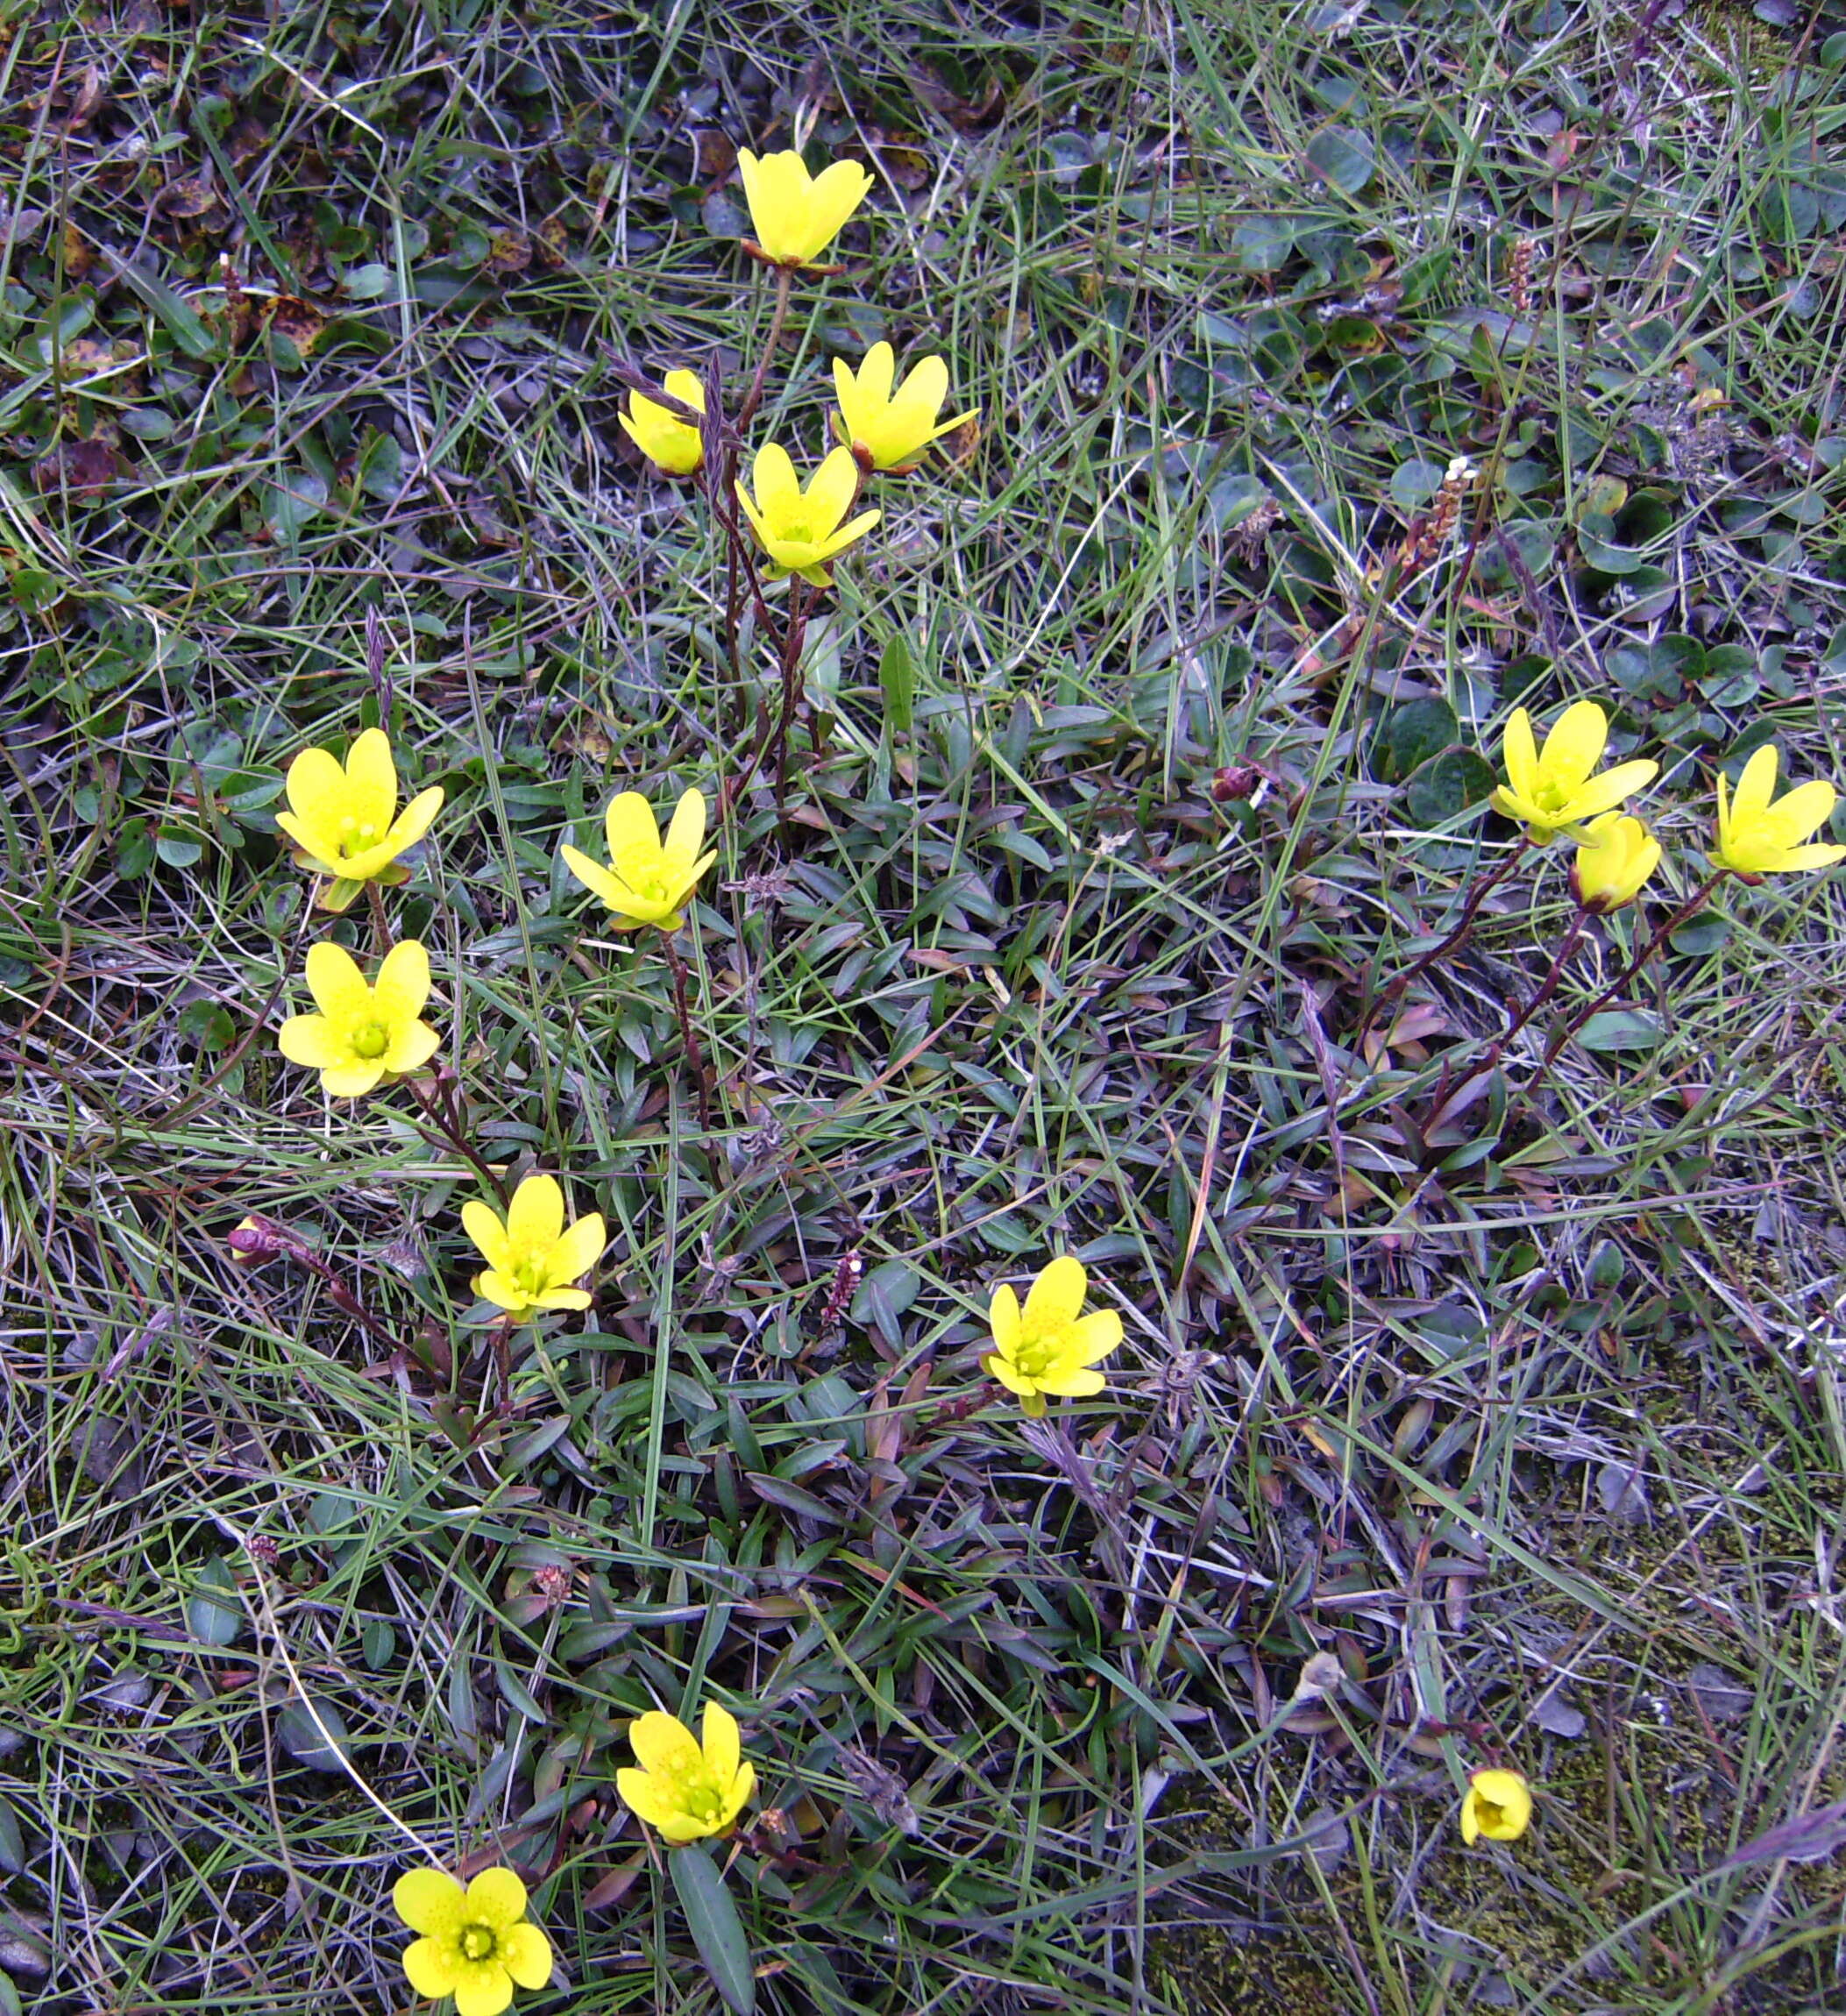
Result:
[[1050, 1346], [1615, 856], [340, 815], [888, 430], [797, 216], [362, 1031], [667, 441], [800, 529], [685, 1790], [648, 879], [1553, 789], [531, 1258], [1496, 1807], [1757, 837], [476, 1943]]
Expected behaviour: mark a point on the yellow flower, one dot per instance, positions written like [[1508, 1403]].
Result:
[[531, 1258], [1615, 856], [362, 1032], [686, 1790], [339, 815], [648, 879], [1051, 1345], [1498, 1804], [667, 441], [800, 529], [1553, 789], [1757, 837], [797, 216], [476, 1943], [887, 429]]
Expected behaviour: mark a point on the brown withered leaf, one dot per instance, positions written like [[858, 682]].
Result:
[[509, 251], [551, 248], [300, 320], [83, 468], [78, 256], [186, 196], [714, 154]]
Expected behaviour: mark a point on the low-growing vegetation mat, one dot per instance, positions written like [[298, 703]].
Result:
[[1348, 376]]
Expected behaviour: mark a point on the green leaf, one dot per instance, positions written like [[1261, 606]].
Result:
[[293, 503], [1343, 157], [1262, 245], [898, 680], [213, 1614], [207, 1027], [134, 851], [182, 325], [321, 1745], [379, 1642], [1620, 1029], [1448, 786], [12, 1842], [717, 1931], [1409, 735]]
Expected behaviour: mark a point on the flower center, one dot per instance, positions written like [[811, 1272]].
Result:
[[796, 532], [1035, 1351], [355, 835], [371, 1040], [477, 1942], [1552, 797], [1489, 1813], [529, 1272]]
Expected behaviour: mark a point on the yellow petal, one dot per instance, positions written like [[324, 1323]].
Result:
[[1756, 786], [429, 1966], [837, 191], [687, 386], [1057, 1296], [485, 1989], [772, 476], [722, 1745], [526, 1954], [1602, 793], [316, 785], [687, 834], [412, 1046], [311, 843], [648, 1798], [1574, 747], [312, 1040], [352, 1079], [577, 1250], [1075, 1382], [1003, 1319], [663, 1743], [483, 1225], [428, 1901], [920, 398], [1001, 1370], [503, 1291], [1092, 1337], [371, 780], [876, 373], [415, 820], [402, 985], [1799, 812], [628, 824], [844, 537], [1794, 858], [831, 492], [562, 1298], [497, 1898], [536, 1216], [738, 1796], [596, 879], [1520, 754]]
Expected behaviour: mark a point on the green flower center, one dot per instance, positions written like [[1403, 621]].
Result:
[[1553, 796], [797, 532], [355, 837], [529, 1273], [478, 1941], [371, 1040], [1036, 1349]]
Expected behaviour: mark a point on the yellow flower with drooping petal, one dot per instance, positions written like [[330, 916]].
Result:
[[340, 815], [797, 216], [476, 1943], [686, 1789], [1615, 856], [1050, 1345], [1554, 788], [1496, 1807], [363, 1031], [647, 879], [887, 429], [1756, 837], [667, 441], [532, 1257], [800, 529]]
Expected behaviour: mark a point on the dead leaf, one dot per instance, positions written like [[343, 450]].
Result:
[[300, 320], [509, 251], [187, 196], [83, 468]]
